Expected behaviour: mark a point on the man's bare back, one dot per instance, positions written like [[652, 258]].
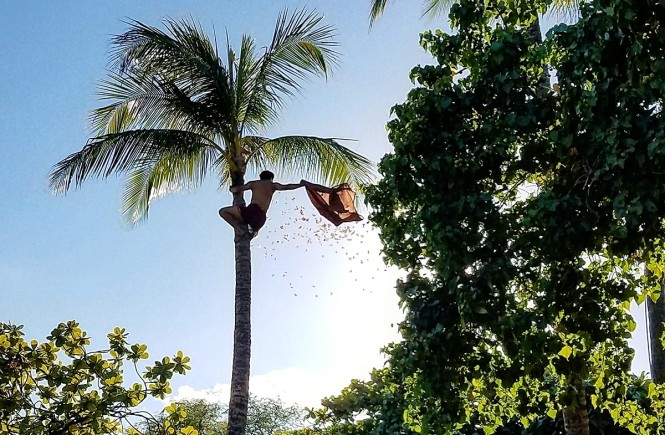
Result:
[[252, 217]]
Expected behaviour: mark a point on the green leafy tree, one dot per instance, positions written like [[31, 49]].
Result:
[[205, 417], [376, 407], [178, 111], [266, 416], [60, 386], [269, 416], [305, 431], [532, 28], [523, 216]]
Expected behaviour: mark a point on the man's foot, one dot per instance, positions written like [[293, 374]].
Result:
[[241, 232]]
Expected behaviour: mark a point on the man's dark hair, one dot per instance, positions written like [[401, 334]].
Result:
[[266, 175]]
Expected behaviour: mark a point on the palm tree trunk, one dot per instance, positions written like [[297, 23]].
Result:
[[242, 339], [576, 419], [242, 333], [656, 318]]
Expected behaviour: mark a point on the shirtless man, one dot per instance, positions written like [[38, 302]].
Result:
[[253, 216]]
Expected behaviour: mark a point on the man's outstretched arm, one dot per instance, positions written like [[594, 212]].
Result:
[[292, 186], [238, 189]]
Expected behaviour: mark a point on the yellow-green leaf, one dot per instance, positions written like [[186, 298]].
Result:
[[652, 390], [566, 351]]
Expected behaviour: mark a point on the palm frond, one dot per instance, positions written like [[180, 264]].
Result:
[[323, 160], [376, 10], [431, 8], [137, 103], [231, 62], [301, 42], [223, 172], [301, 46], [184, 50], [566, 9], [182, 59], [436, 8], [155, 179], [249, 89], [112, 118], [122, 152]]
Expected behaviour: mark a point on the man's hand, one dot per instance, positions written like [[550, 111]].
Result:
[[240, 189]]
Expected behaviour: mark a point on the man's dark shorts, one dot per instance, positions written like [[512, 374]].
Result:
[[253, 216]]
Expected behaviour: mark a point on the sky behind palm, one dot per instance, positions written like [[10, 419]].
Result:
[[323, 303]]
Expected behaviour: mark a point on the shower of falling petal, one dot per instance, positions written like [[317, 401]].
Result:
[[299, 226]]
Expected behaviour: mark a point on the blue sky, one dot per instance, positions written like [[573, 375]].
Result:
[[323, 302]]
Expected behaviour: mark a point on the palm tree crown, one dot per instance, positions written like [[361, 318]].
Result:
[[178, 111]]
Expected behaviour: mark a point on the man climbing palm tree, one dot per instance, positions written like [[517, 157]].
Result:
[[252, 217]]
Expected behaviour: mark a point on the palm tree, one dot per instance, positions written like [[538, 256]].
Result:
[[177, 112]]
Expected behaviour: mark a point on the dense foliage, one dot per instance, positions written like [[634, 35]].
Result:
[[377, 406], [61, 387], [525, 217]]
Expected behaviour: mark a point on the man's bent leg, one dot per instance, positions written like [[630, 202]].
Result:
[[231, 214]]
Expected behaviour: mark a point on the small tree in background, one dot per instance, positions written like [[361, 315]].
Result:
[[265, 416], [207, 418]]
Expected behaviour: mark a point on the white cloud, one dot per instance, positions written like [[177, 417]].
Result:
[[299, 386]]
